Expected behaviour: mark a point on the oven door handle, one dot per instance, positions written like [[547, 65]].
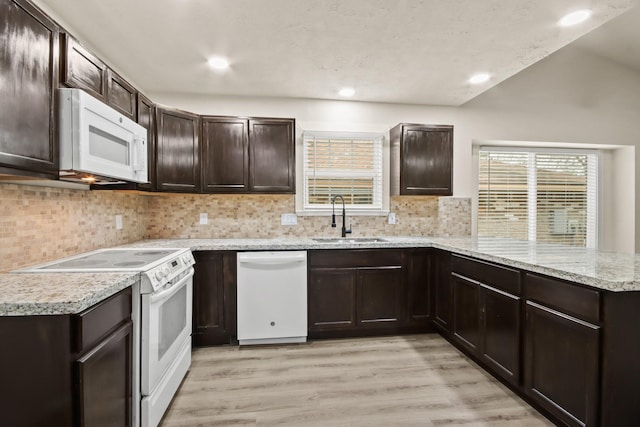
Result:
[[168, 293]]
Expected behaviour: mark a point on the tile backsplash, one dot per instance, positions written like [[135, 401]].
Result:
[[39, 224]]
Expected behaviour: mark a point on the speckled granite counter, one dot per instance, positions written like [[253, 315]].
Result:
[[603, 270], [66, 293], [58, 293]]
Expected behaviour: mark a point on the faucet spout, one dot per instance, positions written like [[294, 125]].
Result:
[[345, 231]]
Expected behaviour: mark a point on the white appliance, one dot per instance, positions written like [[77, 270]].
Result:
[[97, 143], [161, 314], [272, 297]]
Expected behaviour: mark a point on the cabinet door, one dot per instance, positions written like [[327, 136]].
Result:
[[225, 155], [177, 166], [426, 160], [214, 298], [562, 364], [271, 156], [104, 381], [146, 119], [83, 70], [466, 312], [500, 332], [332, 299], [28, 79], [441, 285], [121, 95], [418, 290], [380, 294]]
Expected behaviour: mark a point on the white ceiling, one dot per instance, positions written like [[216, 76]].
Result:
[[399, 51]]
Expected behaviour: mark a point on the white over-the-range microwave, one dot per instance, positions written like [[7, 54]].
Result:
[[97, 143]]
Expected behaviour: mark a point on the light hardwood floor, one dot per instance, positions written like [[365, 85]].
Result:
[[414, 380]]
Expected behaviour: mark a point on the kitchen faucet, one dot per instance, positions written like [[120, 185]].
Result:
[[344, 216]]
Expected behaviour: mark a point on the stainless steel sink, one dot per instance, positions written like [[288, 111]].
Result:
[[350, 240]]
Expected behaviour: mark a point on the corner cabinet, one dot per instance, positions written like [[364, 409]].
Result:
[[248, 155], [177, 155], [59, 370], [421, 160], [29, 76]]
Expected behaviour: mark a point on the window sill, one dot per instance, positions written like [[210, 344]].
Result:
[[350, 212]]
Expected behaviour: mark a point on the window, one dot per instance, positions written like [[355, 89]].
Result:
[[545, 196], [346, 164]]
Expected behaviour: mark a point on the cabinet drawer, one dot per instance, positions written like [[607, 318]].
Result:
[[570, 299], [503, 278], [354, 258], [95, 323]]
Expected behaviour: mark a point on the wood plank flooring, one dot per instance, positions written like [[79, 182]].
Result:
[[414, 380]]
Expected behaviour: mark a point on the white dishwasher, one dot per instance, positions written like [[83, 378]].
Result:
[[272, 297]]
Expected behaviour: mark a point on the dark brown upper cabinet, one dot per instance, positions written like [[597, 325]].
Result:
[[83, 70], [248, 155], [272, 156], [29, 72], [225, 155], [177, 162], [421, 160], [146, 118], [121, 95]]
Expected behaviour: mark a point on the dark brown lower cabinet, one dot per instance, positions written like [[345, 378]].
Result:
[[486, 314], [104, 381], [466, 312], [419, 294], [331, 297], [379, 296], [214, 298], [562, 364], [68, 370], [355, 292], [442, 291], [500, 332]]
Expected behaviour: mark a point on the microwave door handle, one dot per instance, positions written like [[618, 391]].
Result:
[[138, 154]]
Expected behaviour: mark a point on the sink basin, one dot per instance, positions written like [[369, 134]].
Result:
[[350, 240]]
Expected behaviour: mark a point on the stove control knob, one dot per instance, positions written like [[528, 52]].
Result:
[[158, 274], [165, 271], [185, 259]]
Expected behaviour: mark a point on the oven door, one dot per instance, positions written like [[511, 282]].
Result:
[[165, 327]]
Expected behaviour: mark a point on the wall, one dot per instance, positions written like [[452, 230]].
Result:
[[39, 224], [569, 97]]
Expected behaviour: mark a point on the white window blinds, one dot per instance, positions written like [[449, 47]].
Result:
[[539, 196], [343, 164]]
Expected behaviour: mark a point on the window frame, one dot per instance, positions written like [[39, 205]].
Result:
[[592, 242], [304, 210]]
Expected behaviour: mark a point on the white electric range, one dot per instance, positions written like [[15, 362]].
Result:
[[161, 314]]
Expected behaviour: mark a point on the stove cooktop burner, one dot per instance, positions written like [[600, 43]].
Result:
[[131, 259]]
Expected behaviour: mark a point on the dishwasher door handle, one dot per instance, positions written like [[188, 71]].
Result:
[[279, 259]]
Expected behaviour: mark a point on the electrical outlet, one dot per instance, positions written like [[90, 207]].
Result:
[[289, 219], [119, 224], [392, 218], [204, 218]]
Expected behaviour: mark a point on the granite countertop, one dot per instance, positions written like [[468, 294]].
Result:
[[29, 294], [609, 271], [68, 293]]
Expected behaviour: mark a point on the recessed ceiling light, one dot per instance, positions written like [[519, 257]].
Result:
[[347, 92], [574, 18], [218, 63], [479, 78]]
